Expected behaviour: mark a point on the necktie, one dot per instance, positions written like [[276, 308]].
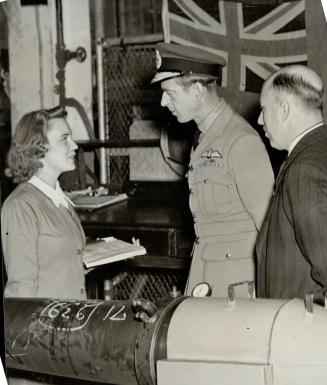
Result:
[[196, 136]]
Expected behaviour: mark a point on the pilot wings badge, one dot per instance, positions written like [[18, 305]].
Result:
[[211, 153]]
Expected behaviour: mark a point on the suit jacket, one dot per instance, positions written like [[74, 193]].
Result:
[[292, 245]]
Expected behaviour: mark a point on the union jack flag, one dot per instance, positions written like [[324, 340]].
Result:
[[256, 40]]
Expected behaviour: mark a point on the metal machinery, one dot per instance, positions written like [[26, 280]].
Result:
[[185, 340]]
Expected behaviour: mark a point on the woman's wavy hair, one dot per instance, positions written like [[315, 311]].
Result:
[[29, 143]]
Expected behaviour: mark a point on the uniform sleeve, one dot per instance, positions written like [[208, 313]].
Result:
[[19, 241], [253, 175], [306, 192]]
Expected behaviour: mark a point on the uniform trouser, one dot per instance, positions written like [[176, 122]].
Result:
[[220, 272]]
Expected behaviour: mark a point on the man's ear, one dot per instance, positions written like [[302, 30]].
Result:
[[198, 90], [284, 109]]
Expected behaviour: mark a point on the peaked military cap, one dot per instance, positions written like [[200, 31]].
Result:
[[173, 60]]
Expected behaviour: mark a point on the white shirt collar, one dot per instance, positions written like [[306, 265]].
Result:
[[56, 195], [299, 137]]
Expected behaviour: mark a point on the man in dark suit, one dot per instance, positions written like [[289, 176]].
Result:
[[292, 245]]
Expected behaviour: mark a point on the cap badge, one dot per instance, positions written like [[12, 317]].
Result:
[[158, 59]]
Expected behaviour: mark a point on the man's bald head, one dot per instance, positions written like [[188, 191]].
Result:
[[291, 102], [300, 82]]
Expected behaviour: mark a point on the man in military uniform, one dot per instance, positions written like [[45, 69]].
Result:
[[230, 177]]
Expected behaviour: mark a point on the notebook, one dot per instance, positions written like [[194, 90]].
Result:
[[109, 250]]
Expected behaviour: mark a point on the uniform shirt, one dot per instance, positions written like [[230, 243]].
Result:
[[230, 176], [42, 245]]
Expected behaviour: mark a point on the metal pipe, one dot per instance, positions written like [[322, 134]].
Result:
[[100, 341], [101, 112], [122, 18], [130, 40], [60, 54], [99, 19]]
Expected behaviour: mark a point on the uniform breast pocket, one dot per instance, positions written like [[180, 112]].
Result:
[[212, 189], [239, 246]]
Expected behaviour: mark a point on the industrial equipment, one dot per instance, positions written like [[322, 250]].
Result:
[[183, 341]]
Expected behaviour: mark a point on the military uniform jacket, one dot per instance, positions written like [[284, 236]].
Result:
[[42, 245], [292, 246], [230, 180]]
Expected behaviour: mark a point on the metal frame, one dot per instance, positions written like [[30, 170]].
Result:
[[104, 143]]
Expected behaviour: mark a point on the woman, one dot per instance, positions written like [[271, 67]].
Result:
[[42, 237]]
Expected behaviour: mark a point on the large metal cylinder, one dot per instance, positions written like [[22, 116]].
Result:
[[187, 341], [93, 340]]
